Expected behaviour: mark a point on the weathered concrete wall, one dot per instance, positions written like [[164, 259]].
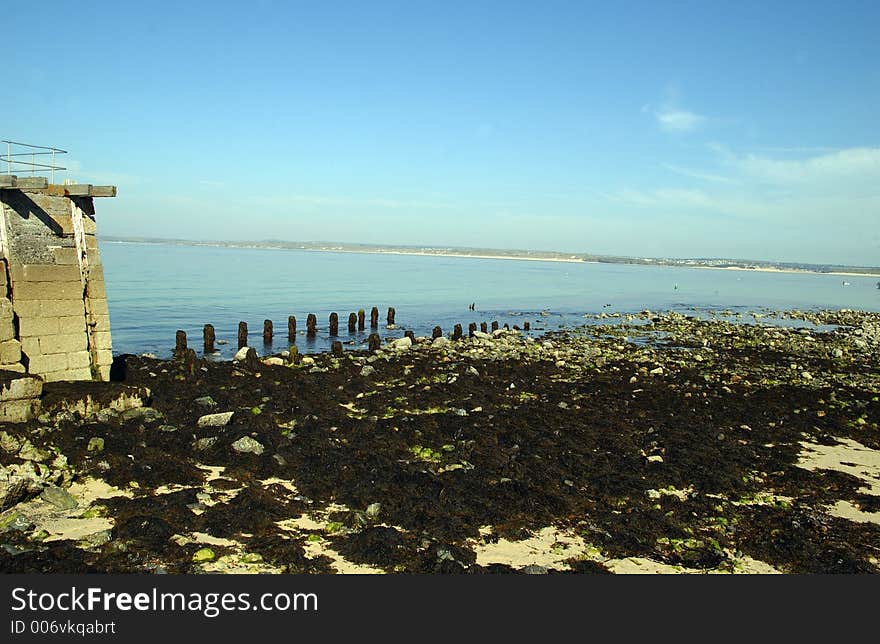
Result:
[[54, 320]]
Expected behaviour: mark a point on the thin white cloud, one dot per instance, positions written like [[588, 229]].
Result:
[[843, 168], [697, 174], [678, 121], [320, 200]]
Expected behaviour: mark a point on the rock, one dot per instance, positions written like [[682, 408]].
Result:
[[563, 405], [96, 444], [367, 371], [373, 510], [282, 462], [482, 336], [9, 443], [837, 353], [204, 443], [307, 361], [248, 445], [167, 428], [205, 401], [401, 344], [58, 497], [655, 458], [96, 539], [203, 554], [273, 361], [472, 371], [20, 387], [534, 569], [656, 372], [653, 494], [15, 520], [215, 420], [806, 375], [240, 355], [441, 342], [145, 414]]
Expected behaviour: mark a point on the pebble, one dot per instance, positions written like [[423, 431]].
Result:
[[367, 371]]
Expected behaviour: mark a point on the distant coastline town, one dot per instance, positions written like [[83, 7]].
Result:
[[536, 255]]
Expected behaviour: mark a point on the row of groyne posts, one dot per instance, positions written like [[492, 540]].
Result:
[[356, 322]]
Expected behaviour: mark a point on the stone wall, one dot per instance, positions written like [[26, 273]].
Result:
[[54, 320]]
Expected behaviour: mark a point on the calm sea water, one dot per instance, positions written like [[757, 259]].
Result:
[[156, 289]]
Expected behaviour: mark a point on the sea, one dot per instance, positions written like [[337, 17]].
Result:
[[156, 289]]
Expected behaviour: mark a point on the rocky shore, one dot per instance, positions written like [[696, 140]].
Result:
[[653, 442]]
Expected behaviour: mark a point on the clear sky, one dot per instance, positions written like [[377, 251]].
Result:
[[670, 129]]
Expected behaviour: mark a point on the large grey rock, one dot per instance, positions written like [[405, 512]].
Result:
[[58, 497], [240, 355], [401, 344], [215, 420], [441, 342], [21, 481], [248, 445]]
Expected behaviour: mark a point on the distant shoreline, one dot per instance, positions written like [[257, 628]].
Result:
[[512, 255]]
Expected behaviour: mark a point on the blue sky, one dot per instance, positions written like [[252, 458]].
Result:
[[670, 129]]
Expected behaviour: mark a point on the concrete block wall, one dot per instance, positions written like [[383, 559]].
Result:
[[59, 322]]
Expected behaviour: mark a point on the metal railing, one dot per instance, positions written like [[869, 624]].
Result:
[[15, 165]]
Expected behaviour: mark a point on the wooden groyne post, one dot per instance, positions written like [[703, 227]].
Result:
[[267, 332], [209, 337], [242, 334]]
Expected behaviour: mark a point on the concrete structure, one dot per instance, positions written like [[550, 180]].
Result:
[[54, 320]]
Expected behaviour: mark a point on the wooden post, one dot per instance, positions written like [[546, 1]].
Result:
[[391, 313], [361, 319], [336, 348], [334, 324], [291, 327], [352, 322], [209, 337], [189, 361], [456, 332], [472, 328], [311, 325], [375, 342], [484, 327], [436, 333], [494, 325], [180, 343], [242, 334], [251, 361], [411, 335], [527, 326], [293, 357], [374, 317], [267, 332]]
